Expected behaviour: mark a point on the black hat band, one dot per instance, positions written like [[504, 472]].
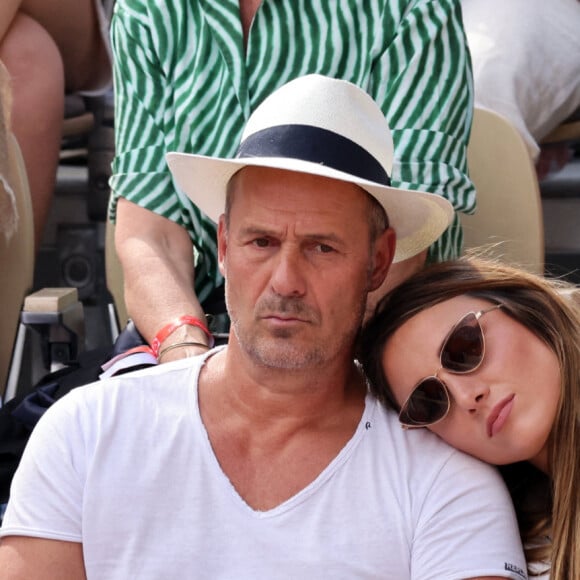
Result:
[[315, 145]]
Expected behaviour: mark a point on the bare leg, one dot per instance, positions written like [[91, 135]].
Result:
[[48, 45], [35, 67], [8, 10], [74, 26]]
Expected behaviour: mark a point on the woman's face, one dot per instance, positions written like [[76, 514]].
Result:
[[503, 411]]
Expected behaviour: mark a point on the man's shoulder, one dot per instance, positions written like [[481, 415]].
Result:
[[420, 440], [153, 386], [417, 448], [419, 471]]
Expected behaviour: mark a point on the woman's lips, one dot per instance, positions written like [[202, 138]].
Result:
[[499, 415]]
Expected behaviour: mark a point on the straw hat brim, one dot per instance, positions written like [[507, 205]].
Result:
[[418, 218]]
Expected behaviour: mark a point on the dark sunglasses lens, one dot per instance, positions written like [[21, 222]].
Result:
[[427, 404], [463, 349]]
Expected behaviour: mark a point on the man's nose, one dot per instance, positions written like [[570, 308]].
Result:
[[288, 277]]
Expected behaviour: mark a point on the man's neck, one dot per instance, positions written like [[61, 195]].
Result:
[[326, 386], [269, 440]]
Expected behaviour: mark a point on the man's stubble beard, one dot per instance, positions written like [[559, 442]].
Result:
[[277, 350]]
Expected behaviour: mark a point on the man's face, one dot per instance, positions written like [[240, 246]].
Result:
[[298, 263]]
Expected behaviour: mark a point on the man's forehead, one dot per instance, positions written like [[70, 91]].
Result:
[[310, 196], [297, 214]]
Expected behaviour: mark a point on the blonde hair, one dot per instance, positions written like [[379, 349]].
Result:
[[550, 309]]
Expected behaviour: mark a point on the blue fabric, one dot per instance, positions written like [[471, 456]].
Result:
[[35, 404]]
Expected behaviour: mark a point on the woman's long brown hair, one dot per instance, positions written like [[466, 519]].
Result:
[[546, 508]]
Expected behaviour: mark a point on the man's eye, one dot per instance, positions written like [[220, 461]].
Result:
[[261, 242], [324, 248]]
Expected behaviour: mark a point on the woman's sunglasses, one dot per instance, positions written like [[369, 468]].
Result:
[[462, 352]]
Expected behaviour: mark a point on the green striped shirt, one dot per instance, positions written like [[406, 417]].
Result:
[[183, 82]]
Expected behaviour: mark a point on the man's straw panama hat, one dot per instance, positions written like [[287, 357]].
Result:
[[322, 126]]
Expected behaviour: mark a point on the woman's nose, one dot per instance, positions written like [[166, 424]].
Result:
[[468, 392]]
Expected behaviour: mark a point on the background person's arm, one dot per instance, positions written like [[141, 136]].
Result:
[[422, 80], [157, 259], [26, 558], [397, 273], [153, 244]]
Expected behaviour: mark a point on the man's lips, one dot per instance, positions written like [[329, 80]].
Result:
[[499, 415], [282, 318]]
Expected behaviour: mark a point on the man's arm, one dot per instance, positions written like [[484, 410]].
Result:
[[157, 259], [25, 558]]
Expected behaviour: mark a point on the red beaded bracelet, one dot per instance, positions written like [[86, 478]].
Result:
[[174, 325]]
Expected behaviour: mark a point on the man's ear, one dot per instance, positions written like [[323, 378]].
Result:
[[383, 253], [222, 239]]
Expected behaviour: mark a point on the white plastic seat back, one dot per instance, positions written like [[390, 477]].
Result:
[[508, 222]]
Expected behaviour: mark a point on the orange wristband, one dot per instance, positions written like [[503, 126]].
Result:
[[174, 325]]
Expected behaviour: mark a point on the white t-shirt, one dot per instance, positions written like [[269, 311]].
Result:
[[125, 466]]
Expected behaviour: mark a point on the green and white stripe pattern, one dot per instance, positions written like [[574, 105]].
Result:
[[183, 83]]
